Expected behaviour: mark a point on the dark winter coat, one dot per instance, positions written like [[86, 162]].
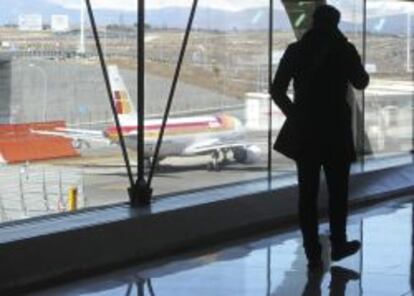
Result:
[[322, 66]]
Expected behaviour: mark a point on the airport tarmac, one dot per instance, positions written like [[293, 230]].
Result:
[[105, 176], [29, 190], [41, 188]]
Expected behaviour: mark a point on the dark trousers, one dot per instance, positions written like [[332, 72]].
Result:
[[337, 177]]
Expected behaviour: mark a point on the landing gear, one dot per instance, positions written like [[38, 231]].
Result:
[[225, 156], [214, 165], [148, 164]]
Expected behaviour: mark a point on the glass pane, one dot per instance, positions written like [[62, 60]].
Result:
[[290, 22], [352, 25], [389, 97], [55, 110], [207, 132]]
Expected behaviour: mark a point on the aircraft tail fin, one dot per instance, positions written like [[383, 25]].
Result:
[[123, 102]]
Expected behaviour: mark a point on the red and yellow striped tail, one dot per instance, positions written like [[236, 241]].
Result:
[[122, 103]]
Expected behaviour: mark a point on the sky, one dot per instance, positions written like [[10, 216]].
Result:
[[233, 5], [351, 9]]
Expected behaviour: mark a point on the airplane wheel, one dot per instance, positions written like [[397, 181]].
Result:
[[214, 165]]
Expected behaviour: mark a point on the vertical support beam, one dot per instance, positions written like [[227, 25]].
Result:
[[409, 41], [270, 73], [140, 194], [412, 114], [141, 88], [364, 60]]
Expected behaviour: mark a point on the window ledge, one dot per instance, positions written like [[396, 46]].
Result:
[[59, 246]]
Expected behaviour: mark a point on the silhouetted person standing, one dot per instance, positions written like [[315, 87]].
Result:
[[318, 129]]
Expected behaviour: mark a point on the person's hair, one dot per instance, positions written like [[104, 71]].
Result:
[[326, 16]]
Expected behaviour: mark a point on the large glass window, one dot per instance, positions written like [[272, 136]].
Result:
[[389, 97], [57, 131], [55, 115]]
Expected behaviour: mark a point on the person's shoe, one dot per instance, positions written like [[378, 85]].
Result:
[[343, 250], [344, 274]]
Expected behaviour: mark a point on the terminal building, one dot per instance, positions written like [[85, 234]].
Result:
[[136, 150]]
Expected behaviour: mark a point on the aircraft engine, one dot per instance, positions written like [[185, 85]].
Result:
[[248, 154]]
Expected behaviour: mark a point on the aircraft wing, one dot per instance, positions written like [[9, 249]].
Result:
[[80, 135], [206, 147]]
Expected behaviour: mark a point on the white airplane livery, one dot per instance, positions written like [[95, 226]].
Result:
[[214, 135]]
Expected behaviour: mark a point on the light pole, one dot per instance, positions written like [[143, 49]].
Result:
[[81, 49], [44, 75], [409, 42]]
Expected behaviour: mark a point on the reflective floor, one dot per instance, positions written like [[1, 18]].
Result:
[[275, 265]]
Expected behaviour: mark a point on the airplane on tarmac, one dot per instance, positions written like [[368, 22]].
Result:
[[214, 135]]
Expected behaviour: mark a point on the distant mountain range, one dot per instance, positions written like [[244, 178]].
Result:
[[176, 17], [257, 19]]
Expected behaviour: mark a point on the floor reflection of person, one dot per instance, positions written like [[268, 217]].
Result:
[[339, 279], [140, 284], [318, 130]]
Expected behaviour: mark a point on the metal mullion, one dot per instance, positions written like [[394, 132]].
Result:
[[412, 101], [141, 90], [412, 125], [109, 91], [270, 72], [364, 57], [172, 90]]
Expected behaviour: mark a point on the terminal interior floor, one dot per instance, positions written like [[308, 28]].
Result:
[[274, 264]]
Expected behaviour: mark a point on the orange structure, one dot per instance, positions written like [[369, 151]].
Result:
[[18, 142]]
